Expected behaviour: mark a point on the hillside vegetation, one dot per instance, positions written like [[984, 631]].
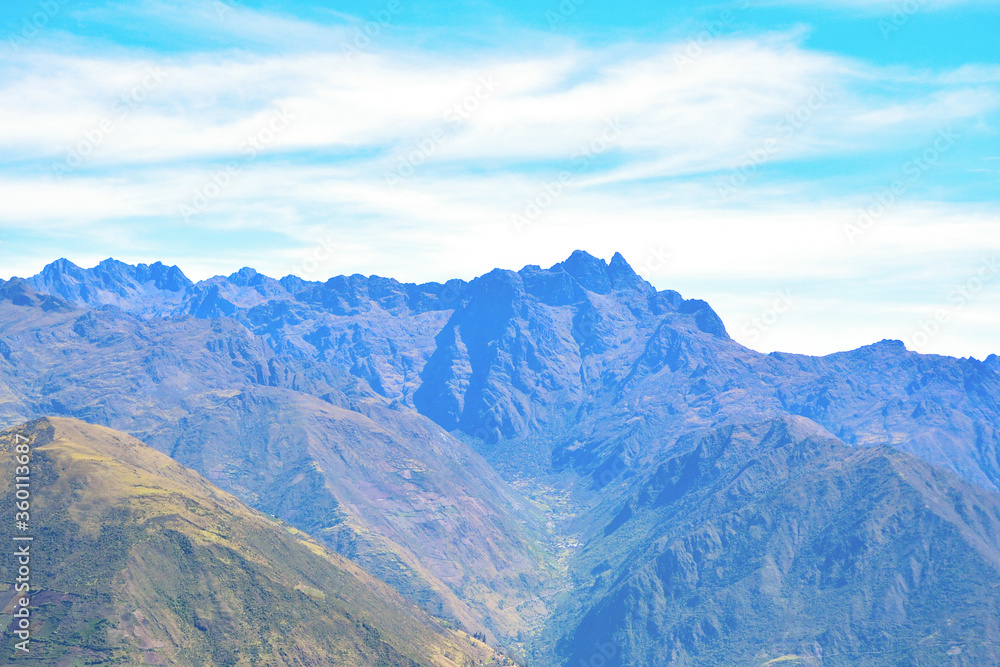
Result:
[[138, 560]]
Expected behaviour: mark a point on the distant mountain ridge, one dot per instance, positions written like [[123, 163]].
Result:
[[470, 441], [145, 288]]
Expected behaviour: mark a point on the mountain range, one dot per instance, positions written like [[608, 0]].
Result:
[[567, 460]]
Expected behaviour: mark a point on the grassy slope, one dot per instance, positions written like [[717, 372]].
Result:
[[350, 480], [140, 560]]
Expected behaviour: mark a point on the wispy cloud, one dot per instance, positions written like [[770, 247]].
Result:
[[149, 130], [684, 116]]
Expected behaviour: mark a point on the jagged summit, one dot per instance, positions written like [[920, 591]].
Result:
[[602, 277], [144, 288], [112, 272], [591, 272], [160, 290], [247, 276]]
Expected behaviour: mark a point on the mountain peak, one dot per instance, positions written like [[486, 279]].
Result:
[[168, 278], [243, 277], [112, 263], [623, 276], [594, 274], [591, 272], [61, 266], [886, 346], [112, 282]]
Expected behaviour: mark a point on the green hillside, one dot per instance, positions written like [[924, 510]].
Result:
[[138, 560]]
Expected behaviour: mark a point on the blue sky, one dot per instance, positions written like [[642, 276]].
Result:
[[825, 174]]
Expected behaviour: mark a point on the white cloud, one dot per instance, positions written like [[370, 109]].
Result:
[[689, 117], [686, 110]]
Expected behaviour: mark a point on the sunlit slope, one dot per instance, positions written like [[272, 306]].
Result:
[[138, 560]]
